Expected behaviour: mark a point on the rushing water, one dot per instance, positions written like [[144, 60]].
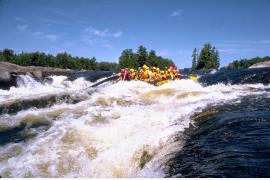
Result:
[[131, 129]]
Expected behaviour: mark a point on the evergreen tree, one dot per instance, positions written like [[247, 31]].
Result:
[[127, 59], [152, 59], [216, 58], [65, 60], [142, 56], [208, 58], [194, 58], [8, 54]]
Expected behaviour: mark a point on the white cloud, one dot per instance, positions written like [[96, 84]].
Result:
[[96, 32], [90, 40], [176, 13], [107, 46], [37, 33], [20, 19], [55, 21], [102, 33], [51, 37], [92, 36], [22, 27], [117, 34]]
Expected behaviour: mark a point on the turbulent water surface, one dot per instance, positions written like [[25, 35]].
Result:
[[132, 129]]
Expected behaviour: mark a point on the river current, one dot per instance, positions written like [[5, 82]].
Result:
[[133, 129]]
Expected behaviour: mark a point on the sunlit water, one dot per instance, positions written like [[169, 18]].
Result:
[[123, 129]]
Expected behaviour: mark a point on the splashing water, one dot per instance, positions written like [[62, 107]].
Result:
[[125, 129]]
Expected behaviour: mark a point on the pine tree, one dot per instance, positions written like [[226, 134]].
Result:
[[152, 59], [208, 58], [142, 56], [127, 59], [8, 54], [194, 58], [216, 58]]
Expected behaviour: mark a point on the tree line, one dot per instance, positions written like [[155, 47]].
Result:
[[245, 63], [208, 58], [129, 59], [61, 60]]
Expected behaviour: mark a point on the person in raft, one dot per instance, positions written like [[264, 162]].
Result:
[[149, 74]]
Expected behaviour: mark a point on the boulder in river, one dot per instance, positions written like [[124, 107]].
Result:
[[9, 71], [261, 65], [4, 76]]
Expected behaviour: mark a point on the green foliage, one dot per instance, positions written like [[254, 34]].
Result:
[[107, 66], [61, 60], [128, 59], [208, 58], [134, 60], [152, 59], [194, 58], [245, 63], [142, 56], [8, 54], [215, 56]]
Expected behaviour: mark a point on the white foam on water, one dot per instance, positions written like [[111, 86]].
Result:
[[125, 129], [213, 71], [27, 81], [31, 89]]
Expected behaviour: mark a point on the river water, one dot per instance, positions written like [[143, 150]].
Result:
[[133, 129]]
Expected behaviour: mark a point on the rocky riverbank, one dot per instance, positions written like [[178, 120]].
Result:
[[260, 65], [9, 72]]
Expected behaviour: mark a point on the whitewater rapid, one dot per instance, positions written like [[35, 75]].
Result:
[[123, 129]]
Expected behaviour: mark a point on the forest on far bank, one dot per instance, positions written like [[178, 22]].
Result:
[[66, 61], [207, 59], [61, 60], [245, 63]]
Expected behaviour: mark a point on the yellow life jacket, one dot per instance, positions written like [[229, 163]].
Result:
[[132, 75], [159, 76], [153, 75], [141, 74], [146, 74], [137, 76]]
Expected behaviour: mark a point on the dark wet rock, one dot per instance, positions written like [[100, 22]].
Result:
[[226, 141], [238, 76], [39, 102], [6, 79]]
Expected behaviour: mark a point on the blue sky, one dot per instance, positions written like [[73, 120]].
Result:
[[238, 28]]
